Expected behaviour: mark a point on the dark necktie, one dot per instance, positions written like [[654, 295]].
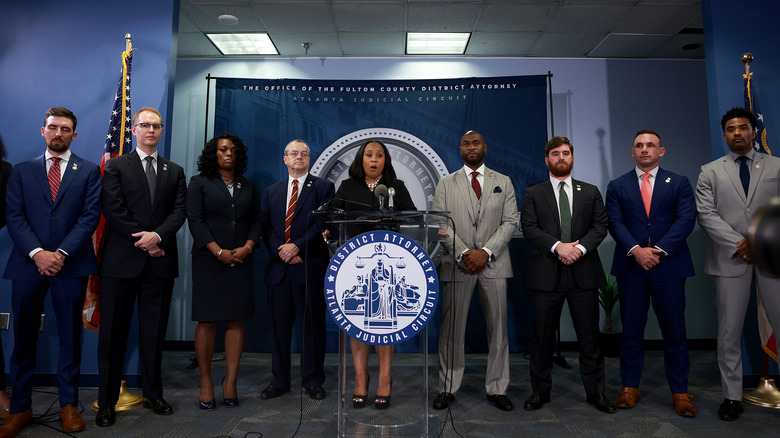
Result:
[[744, 173], [54, 177], [290, 211], [151, 175], [475, 184], [563, 204]]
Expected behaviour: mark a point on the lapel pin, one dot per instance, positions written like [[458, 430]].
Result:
[[308, 184], [165, 167], [758, 165], [668, 180], [75, 166], [238, 185], [579, 189]]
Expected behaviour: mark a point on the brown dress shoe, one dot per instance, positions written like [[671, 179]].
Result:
[[71, 419], [683, 405], [628, 397], [14, 423]]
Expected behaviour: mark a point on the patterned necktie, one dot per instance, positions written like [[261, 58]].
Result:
[[151, 175], [563, 204], [54, 177], [647, 192], [744, 173], [290, 211], [475, 184]]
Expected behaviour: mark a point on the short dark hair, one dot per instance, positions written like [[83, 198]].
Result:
[[207, 162], [648, 131], [357, 172], [58, 111], [556, 142], [736, 113]]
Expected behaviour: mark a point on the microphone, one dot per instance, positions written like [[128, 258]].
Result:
[[380, 192], [390, 195]]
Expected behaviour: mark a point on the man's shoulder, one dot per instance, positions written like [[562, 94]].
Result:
[[582, 186], [317, 181], [494, 174], [88, 165]]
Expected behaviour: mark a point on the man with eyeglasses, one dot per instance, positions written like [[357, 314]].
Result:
[[296, 266], [144, 196]]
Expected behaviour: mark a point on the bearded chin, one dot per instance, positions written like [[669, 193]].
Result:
[[559, 171]]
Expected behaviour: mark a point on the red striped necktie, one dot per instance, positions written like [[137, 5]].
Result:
[[54, 177], [290, 211]]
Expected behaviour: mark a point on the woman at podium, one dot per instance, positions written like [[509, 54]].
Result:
[[372, 167]]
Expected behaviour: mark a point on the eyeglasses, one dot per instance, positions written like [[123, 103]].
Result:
[[295, 154], [152, 126]]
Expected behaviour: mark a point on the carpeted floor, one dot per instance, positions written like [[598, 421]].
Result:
[[471, 414]]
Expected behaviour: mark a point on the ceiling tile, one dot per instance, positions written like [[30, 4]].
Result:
[[590, 18], [311, 18], [369, 17], [564, 44], [366, 44], [627, 45], [498, 17], [501, 43], [441, 17], [195, 44], [672, 48], [656, 19]]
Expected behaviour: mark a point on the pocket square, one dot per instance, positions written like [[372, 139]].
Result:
[[497, 189]]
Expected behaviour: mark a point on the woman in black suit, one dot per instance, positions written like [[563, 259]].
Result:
[[5, 173], [223, 211], [372, 166]]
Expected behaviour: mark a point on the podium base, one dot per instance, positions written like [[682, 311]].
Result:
[[127, 400], [765, 395]]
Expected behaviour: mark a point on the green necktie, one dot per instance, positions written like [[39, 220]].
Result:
[[563, 205]]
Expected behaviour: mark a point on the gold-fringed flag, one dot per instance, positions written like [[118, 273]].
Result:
[[118, 142], [760, 144]]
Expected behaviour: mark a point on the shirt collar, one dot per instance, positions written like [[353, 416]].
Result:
[[480, 170], [300, 179], [143, 154], [640, 172], [556, 182], [65, 156], [750, 155]]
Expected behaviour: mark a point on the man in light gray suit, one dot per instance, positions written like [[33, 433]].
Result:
[[484, 211], [729, 192]]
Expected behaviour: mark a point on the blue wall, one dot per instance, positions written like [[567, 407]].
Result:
[[69, 54]]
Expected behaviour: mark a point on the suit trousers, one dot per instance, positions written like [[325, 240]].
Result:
[[668, 298], [27, 301], [286, 301], [117, 301], [456, 298], [584, 309], [732, 297]]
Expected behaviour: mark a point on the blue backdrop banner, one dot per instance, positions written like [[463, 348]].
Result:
[[421, 122]]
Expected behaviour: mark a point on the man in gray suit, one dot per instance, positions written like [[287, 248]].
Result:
[[729, 192], [484, 212]]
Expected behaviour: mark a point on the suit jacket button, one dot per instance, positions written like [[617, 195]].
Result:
[[747, 209], [54, 213], [232, 222], [233, 205]]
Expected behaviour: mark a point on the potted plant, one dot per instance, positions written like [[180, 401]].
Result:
[[608, 298]]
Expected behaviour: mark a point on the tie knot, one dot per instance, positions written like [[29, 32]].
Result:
[[295, 182], [562, 185], [55, 160], [646, 176], [742, 159]]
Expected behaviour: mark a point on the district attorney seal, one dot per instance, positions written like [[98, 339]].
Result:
[[381, 288], [416, 163]]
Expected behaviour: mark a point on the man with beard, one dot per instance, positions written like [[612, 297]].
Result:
[[651, 213], [484, 213], [729, 192], [51, 218], [564, 221]]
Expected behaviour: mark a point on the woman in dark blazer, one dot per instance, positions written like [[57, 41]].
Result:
[[5, 173], [223, 211], [372, 166]]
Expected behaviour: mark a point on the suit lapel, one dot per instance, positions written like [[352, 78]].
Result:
[[576, 203], [755, 177], [222, 187], [42, 177], [162, 178], [137, 169], [463, 185], [731, 171], [663, 180], [73, 166], [548, 195], [304, 190]]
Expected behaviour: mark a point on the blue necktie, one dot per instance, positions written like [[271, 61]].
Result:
[[744, 173]]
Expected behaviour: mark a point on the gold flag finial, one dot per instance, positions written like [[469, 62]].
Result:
[[746, 59], [129, 42]]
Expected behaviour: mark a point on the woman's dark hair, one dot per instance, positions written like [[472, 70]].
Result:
[[207, 162], [2, 149], [357, 172]]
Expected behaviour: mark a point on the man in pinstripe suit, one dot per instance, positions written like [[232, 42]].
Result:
[[484, 215]]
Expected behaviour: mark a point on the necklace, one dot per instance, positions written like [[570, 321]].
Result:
[[228, 182], [373, 185]]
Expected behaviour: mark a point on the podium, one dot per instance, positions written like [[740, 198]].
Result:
[[378, 234]]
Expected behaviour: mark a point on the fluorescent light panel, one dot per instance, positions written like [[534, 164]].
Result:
[[418, 43], [243, 43]]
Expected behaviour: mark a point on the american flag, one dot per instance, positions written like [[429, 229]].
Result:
[[760, 144], [119, 141]]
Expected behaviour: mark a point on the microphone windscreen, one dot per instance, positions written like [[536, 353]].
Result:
[[380, 190]]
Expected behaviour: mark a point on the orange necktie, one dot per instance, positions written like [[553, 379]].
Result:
[[647, 192]]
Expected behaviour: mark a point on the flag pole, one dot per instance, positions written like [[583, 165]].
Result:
[[766, 393]]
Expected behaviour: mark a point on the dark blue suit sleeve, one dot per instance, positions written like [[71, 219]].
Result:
[[684, 218]]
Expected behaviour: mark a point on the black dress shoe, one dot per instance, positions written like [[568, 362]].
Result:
[[443, 400], [105, 417], [272, 392], [316, 392], [730, 409], [602, 403], [536, 401], [159, 406], [502, 401]]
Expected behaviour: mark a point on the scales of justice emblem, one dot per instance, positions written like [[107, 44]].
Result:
[[381, 288]]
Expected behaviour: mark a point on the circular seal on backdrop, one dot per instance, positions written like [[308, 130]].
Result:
[[416, 163], [381, 288]]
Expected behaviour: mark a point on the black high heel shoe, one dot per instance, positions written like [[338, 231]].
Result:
[[206, 405], [229, 402], [359, 400], [383, 401]]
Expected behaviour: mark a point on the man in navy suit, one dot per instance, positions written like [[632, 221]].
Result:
[[144, 195], [51, 218], [651, 213], [295, 270]]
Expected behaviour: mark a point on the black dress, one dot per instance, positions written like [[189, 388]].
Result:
[[355, 195], [219, 292]]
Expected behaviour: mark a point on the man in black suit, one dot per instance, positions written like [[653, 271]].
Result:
[[564, 221], [144, 197], [295, 270]]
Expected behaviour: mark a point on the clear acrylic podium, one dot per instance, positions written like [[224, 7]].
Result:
[[408, 413]]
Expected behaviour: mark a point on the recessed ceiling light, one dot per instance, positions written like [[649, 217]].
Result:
[[418, 43], [230, 20], [243, 43]]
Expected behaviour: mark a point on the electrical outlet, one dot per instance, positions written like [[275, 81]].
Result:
[[5, 319], [43, 322]]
